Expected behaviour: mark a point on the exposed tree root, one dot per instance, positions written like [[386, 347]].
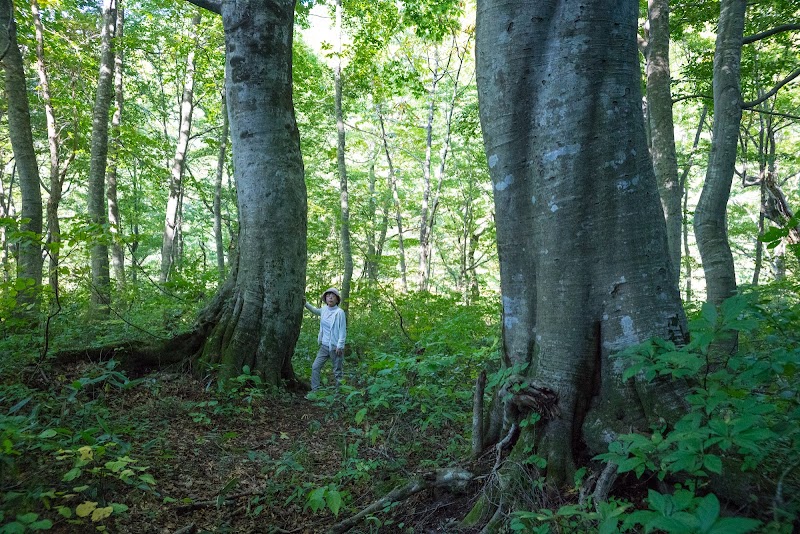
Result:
[[598, 486], [137, 356], [451, 479]]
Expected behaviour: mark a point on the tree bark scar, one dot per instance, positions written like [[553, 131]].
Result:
[[594, 387]]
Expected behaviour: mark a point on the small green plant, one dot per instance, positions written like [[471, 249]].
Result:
[[742, 417], [606, 519], [685, 512], [325, 497]]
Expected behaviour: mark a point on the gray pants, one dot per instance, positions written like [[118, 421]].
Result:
[[325, 353]]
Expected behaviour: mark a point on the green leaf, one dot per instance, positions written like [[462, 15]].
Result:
[[148, 479], [708, 512], [14, 528], [734, 525], [72, 474], [713, 463], [27, 518], [42, 524], [609, 526], [360, 415], [49, 433], [334, 500], [709, 313], [18, 406]]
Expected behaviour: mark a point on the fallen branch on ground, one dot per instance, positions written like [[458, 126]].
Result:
[[451, 479]]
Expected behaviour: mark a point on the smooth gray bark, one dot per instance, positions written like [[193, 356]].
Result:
[[115, 222], [344, 199], [53, 145], [424, 223], [580, 231], [255, 319], [396, 201], [29, 261], [169, 242], [710, 219], [662, 129], [100, 290], [221, 157], [684, 177]]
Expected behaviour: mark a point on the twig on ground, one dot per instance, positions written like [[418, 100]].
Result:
[[453, 479], [227, 501], [191, 528]]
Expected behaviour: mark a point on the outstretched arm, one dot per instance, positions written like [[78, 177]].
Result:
[[312, 309]]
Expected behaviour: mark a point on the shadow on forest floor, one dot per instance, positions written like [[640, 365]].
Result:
[[247, 461]]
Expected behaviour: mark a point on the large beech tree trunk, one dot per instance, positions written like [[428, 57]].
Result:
[[29, 261], [580, 229], [255, 319]]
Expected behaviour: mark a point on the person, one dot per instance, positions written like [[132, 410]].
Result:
[[332, 334]]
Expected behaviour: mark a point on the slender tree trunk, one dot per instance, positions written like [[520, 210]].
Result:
[[221, 157], [396, 198], [662, 136], [344, 200], [134, 232], [29, 263], [583, 255], [445, 148], [710, 220], [424, 236], [169, 243], [115, 223], [759, 259], [53, 144], [685, 189], [6, 210], [374, 246], [100, 290]]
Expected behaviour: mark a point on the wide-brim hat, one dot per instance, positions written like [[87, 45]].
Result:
[[331, 290]]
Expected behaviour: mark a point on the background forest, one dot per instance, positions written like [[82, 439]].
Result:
[[119, 224]]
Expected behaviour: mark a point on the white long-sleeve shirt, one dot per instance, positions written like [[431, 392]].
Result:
[[332, 326]]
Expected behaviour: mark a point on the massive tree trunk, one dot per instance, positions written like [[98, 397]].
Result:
[[662, 130], [580, 230], [29, 261], [100, 290], [710, 219], [169, 242], [255, 319]]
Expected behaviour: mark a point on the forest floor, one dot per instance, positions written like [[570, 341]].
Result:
[[249, 462]]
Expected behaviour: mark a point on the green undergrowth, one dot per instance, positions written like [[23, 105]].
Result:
[[81, 449], [84, 446], [740, 436]]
